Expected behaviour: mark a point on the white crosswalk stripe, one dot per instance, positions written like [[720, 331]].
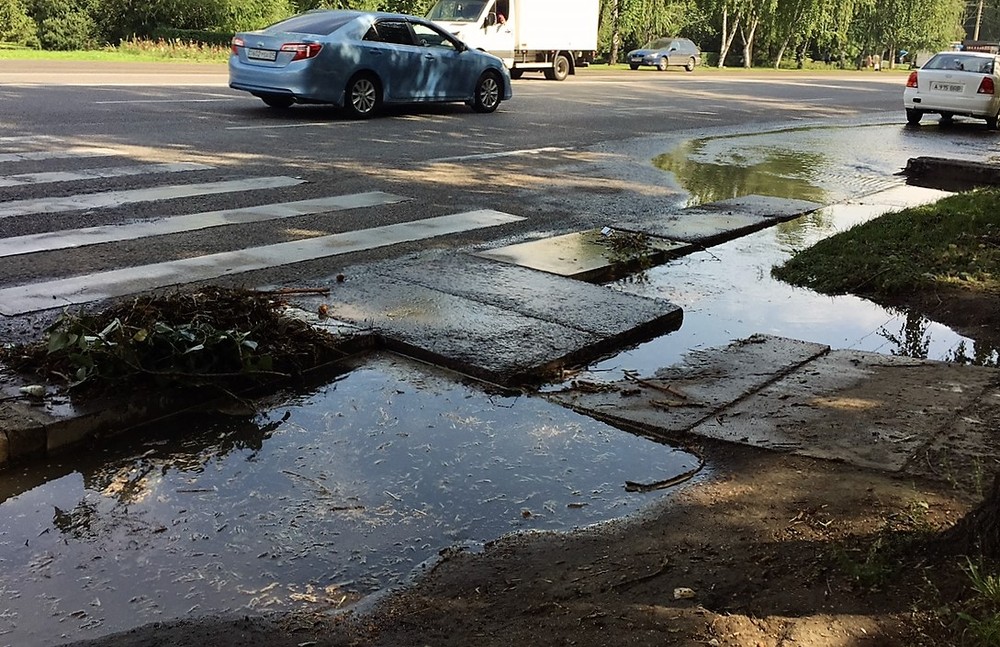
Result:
[[119, 198], [50, 177], [68, 153], [69, 238], [114, 282], [23, 299]]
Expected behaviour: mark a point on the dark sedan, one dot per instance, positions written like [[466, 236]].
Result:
[[666, 52], [362, 60]]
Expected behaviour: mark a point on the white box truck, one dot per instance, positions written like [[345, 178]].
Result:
[[549, 36]]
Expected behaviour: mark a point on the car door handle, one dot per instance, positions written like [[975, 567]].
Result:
[[430, 56]]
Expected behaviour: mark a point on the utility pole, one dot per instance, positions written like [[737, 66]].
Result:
[[979, 20]]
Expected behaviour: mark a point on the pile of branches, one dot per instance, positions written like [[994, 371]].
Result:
[[220, 336]]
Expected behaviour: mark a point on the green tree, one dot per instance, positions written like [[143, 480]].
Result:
[[16, 26]]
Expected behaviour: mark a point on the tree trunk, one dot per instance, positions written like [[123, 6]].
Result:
[[781, 53], [616, 35], [978, 532], [728, 42], [723, 43], [748, 44]]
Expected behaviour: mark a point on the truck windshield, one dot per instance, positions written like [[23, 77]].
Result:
[[457, 10]]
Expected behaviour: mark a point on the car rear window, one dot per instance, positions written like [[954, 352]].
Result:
[[960, 62], [320, 23]]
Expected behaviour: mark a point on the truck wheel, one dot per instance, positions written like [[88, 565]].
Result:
[[559, 70], [516, 74]]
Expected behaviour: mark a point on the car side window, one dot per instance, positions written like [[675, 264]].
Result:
[[428, 37], [393, 31]]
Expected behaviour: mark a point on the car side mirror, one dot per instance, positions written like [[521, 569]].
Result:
[[491, 20]]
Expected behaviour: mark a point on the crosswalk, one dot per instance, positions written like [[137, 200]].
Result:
[[61, 197]]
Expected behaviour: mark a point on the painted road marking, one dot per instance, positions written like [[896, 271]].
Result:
[[78, 151], [486, 156], [32, 179], [111, 199], [325, 124], [110, 102], [67, 239], [23, 299]]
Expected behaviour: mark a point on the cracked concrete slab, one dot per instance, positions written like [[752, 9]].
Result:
[[716, 222], [583, 255], [614, 315], [866, 409], [677, 398]]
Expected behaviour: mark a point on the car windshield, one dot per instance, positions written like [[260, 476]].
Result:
[[457, 10], [660, 43], [960, 62], [318, 23]]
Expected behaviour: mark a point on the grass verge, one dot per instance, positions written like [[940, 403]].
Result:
[[954, 242]]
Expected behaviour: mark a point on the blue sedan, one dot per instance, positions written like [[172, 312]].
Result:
[[362, 60]]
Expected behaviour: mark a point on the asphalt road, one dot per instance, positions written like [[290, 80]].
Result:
[[560, 156]]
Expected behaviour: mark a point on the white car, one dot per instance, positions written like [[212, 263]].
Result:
[[955, 83]]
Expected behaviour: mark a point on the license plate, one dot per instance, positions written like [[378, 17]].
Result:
[[947, 87], [262, 54]]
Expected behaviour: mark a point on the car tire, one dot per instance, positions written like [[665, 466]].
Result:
[[662, 64], [277, 101], [489, 92], [363, 96], [634, 66], [913, 116], [516, 74], [559, 70], [993, 122], [947, 117], [690, 64]]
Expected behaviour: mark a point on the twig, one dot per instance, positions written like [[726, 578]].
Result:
[[633, 486], [666, 388], [644, 578], [283, 291]]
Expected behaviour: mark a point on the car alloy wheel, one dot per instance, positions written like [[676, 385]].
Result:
[[362, 97], [487, 97], [661, 65]]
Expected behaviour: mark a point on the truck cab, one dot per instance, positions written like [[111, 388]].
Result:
[[548, 36]]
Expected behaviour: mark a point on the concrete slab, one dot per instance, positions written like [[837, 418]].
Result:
[[590, 255], [716, 222], [620, 318], [584, 255], [949, 173], [479, 339], [862, 408], [678, 398], [870, 410]]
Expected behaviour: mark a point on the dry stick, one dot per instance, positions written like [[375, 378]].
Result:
[[645, 578], [293, 291], [665, 388]]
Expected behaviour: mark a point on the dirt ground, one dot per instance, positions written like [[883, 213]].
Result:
[[761, 549]]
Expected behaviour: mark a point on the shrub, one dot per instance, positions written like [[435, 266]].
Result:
[[16, 26]]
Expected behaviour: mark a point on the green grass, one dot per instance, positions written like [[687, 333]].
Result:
[[982, 617], [955, 241], [130, 51]]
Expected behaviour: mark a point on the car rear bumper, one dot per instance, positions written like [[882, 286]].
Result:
[[298, 82], [980, 106]]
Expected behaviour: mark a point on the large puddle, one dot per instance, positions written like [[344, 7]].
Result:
[[727, 291], [313, 504]]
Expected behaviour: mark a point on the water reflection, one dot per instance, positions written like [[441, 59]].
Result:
[[915, 337], [314, 504], [764, 170], [727, 292]]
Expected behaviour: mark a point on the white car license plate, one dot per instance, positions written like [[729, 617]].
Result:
[[947, 87], [262, 54]]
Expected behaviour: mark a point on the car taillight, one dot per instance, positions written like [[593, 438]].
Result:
[[302, 50], [986, 86], [237, 44], [912, 81]]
